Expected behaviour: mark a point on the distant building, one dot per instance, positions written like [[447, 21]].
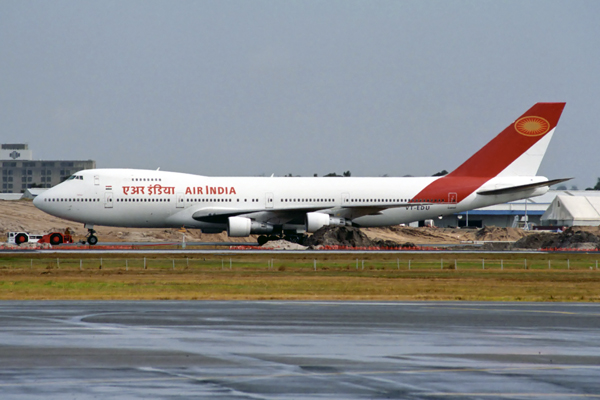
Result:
[[20, 172], [515, 213], [582, 210]]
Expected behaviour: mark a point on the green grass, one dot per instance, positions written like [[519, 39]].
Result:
[[505, 276]]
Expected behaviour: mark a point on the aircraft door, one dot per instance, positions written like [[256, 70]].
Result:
[[96, 180], [345, 199], [108, 200], [179, 197], [268, 200], [452, 200]]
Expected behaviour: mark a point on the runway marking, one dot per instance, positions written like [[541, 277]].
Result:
[[427, 304], [508, 395], [181, 377], [514, 310]]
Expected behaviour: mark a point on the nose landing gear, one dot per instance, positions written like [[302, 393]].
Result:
[[92, 239]]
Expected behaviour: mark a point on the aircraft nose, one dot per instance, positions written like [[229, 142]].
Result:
[[38, 201]]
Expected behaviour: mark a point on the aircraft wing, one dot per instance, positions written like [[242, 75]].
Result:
[[273, 216], [296, 215]]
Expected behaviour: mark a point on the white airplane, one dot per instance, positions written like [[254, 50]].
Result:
[[503, 170]]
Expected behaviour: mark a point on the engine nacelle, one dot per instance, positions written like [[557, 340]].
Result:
[[315, 221], [242, 227]]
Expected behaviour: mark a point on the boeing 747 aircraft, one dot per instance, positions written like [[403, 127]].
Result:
[[503, 170]]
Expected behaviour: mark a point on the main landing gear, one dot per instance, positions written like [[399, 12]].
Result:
[[262, 239], [295, 238], [92, 239]]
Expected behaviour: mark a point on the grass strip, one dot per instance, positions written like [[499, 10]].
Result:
[[292, 277]]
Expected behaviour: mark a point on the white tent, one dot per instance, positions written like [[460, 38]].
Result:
[[10, 196], [573, 211], [32, 193]]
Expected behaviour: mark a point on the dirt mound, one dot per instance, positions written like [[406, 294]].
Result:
[[345, 236], [282, 245], [572, 238], [348, 236], [421, 234], [575, 238], [492, 233], [535, 241], [338, 236]]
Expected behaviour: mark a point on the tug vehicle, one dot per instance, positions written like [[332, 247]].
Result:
[[54, 238], [22, 237]]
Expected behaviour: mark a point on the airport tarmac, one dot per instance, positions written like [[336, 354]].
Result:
[[299, 350]]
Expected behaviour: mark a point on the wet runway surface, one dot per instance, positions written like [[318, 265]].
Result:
[[299, 350]]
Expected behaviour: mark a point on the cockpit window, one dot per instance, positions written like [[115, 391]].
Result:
[[75, 177]]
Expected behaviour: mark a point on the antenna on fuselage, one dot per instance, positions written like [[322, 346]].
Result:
[[158, 169]]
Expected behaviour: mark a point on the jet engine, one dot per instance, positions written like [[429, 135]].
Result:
[[241, 227], [315, 221]]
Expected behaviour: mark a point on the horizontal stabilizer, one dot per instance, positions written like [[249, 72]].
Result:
[[520, 188]]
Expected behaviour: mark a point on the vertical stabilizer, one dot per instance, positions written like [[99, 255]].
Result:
[[518, 150]]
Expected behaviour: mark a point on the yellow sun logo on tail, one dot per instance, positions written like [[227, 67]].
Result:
[[532, 126]]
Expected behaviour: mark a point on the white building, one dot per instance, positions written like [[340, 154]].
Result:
[[515, 213], [568, 210], [19, 171]]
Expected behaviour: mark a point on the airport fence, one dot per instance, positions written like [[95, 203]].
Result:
[[290, 264]]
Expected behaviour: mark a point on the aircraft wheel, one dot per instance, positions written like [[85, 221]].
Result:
[[299, 239], [92, 240], [55, 238], [294, 238], [262, 239], [21, 238]]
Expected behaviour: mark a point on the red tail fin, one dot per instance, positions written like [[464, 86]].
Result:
[[512, 142], [521, 146]]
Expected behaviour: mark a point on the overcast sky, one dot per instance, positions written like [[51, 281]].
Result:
[[302, 87]]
